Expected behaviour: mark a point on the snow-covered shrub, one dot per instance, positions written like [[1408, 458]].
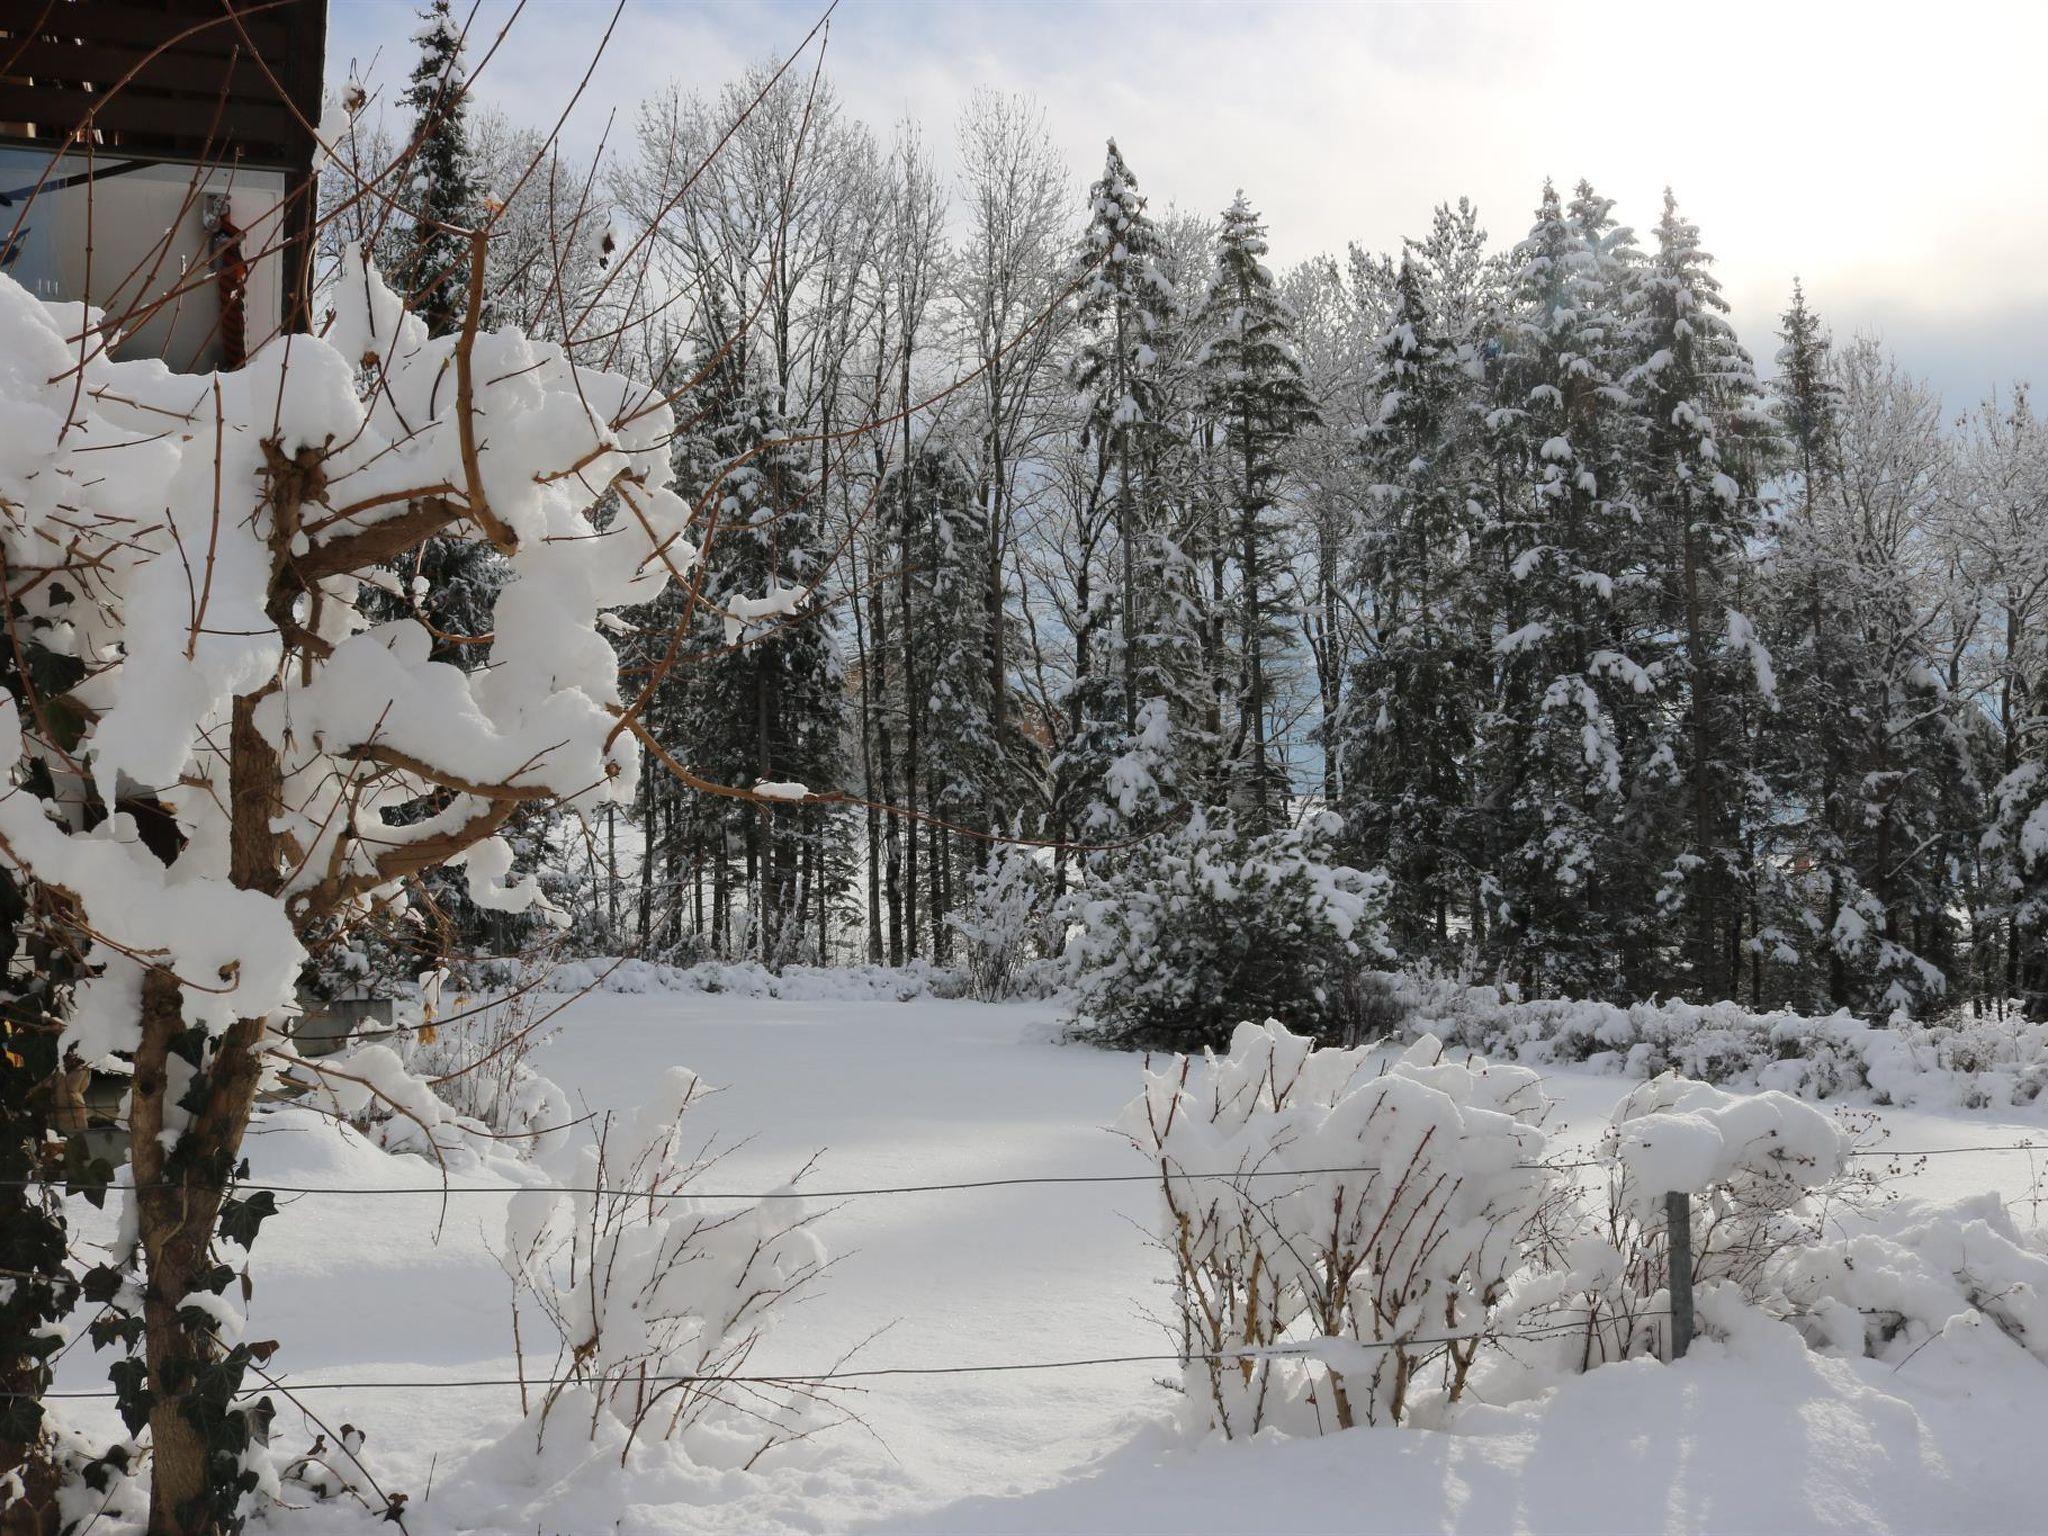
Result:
[[1341, 1233], [1008, 925], [748, 978], [478, 1063], [1762, 1170], [1197, 928], [1950, 1063], [1920, 1272], [656, 1297], [411, 1106]]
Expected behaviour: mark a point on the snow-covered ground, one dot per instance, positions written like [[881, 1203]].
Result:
[[1764, 1436]]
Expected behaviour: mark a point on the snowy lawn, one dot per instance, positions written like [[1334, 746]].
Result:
[[1764, 1435]]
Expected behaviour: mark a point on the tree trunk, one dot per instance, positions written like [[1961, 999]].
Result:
[[179, 1193]]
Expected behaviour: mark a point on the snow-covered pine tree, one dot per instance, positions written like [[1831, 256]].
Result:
[[452, 583], [763, 698], [940, 528], [1694, 484], [1126, 310], [1253, 396], [428, 253], [1866, 759], [449, 584], [1560, 898], [1811, 758], [1409, 725]]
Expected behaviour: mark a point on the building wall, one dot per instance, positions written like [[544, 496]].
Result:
[[149, 242]]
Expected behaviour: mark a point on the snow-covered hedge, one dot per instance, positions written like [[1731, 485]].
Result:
[[1763, 1169], [793, 983], [1946, 1064], [1367, 1217], [1363, 1238]]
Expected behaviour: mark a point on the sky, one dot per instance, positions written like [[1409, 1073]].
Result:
[[1894, 157]]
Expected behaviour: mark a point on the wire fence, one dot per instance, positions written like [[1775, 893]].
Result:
[[1680, 1288], [791, 1192], [818, 1378]]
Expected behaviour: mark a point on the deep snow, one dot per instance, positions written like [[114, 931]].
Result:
[[1763, 1435]]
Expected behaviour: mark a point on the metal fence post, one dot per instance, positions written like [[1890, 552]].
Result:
[[1678, 1236]]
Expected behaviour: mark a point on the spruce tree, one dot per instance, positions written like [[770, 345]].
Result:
[[1559, 892], [1410, 721], [1126, 311], [1695, 486], [451, 585], [1812, 762], [1252, 392], [454, 582], [1868, 744], [762, 698], [429, 257]]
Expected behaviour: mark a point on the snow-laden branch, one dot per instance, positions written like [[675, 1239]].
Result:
[[210, 609]]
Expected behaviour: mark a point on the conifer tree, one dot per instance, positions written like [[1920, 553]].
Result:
[[1252, 392], [941, 535], [429, 259], [452, 584], [1127, 310], [1410, 719], [764, 698], [1869, 741], [1558, 888], [1695, 485], [1811, 760]]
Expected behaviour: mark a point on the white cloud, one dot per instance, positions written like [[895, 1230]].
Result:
[[1889, 155]]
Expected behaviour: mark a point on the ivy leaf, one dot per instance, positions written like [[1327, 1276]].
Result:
[[21, 1420], [131, 1392], [85, 1174], [240, 1219]]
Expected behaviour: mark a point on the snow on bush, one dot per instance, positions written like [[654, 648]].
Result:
[[1009, 926], [1370, 1237], [1200, 927], [1762, 1170], [1923, 1272], [1345, 1266], [657, 1298], [747, 978], [1957, 1063]]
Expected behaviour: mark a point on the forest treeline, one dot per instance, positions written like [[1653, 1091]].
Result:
[[1035, 511]]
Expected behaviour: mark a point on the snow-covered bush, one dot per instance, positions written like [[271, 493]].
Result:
[[1949, 1063], [479, 1062], [749, 978], [1762, 1170], [1197, 928], [657, 1298], [1921, 1271], [1008, 924], [1341, 1232]]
